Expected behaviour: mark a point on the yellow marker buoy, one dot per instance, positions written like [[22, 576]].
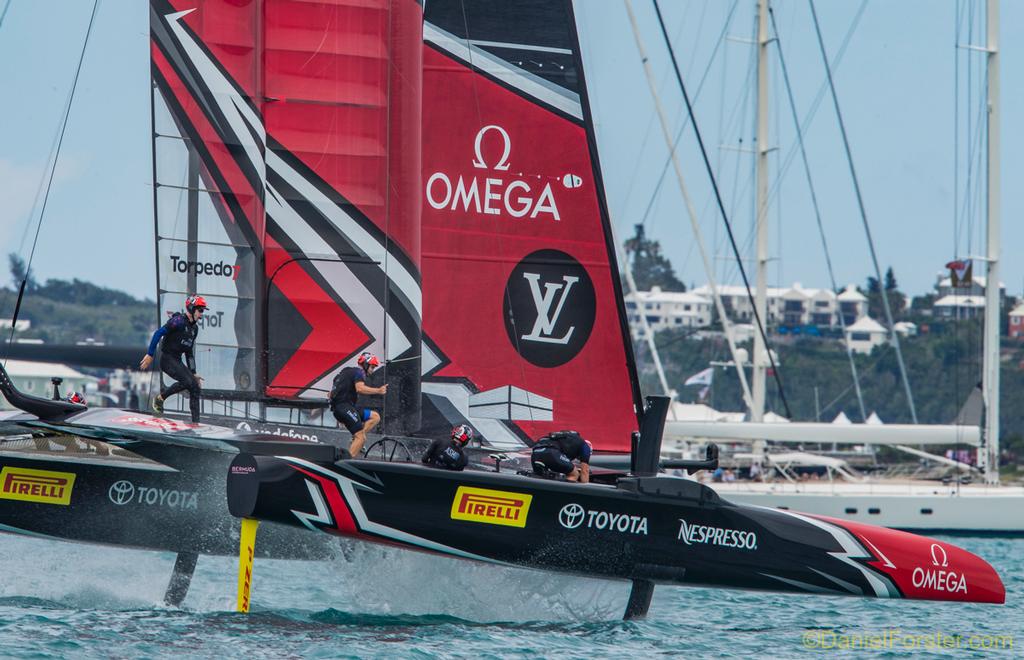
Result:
[[246, 552]]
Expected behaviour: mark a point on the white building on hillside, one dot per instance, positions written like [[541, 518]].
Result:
[[802, 306], [960, 306], [667, 309], [865, 334], [853, 304], [905, 328], [962, 302], [795, 306], [792, 307], [737, 304], [944, 287]]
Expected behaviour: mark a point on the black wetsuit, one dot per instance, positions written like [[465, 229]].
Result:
[[343, 399], [557, 451], [177, 337], [447, 454]]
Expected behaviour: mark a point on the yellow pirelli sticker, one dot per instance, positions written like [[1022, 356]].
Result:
[[30, 485], [494, 507]]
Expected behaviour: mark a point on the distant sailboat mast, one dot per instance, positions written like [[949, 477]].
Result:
[[990, 377], [760, 297]]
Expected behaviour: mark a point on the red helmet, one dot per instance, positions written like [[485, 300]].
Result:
[[194, 302], [368, 360], [75, 397], [462, 434]]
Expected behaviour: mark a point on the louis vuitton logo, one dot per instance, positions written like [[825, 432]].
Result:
[[544, 326]]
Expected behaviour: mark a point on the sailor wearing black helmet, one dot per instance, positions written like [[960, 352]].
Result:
[[448, 453], [349, 384], [177, 337], [557, 451]]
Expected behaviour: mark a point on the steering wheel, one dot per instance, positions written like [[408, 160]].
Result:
[[387, 448]]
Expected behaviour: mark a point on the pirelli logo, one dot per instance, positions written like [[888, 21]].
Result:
[[494, 507], [30, 485]]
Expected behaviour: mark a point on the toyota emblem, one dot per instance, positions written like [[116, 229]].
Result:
[[121, 492], [571, 516]]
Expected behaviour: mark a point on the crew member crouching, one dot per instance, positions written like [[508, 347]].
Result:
[[557, 451], [449, 454]]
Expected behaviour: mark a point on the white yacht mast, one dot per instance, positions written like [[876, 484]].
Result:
[[990, 377], [760, 295]]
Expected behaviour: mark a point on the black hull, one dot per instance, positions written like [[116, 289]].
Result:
[[175, 501], [662, 530]]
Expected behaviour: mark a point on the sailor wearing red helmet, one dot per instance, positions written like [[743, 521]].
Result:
[[349, 384], [177, 337], [448, 453]]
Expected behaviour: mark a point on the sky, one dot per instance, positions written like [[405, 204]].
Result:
[[912, 122]]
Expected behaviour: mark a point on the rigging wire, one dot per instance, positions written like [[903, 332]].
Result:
[[819, 97], [53, 169], [804, 124], [687, 200], [721, 205], [3, 14], [739, 193], [636, 169], [817, 208], [811, 113], [686, 121], [894, 338]]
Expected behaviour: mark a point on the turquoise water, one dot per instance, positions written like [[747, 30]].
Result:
[[60, 600]]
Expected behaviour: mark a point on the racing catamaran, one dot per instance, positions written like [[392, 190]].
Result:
[[421, 182]]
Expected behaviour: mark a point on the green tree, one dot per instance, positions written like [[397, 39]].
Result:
[[19, 273], [650, 267], [897, 299], [890, 280]]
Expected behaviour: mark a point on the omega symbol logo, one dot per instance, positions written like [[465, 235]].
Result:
[[939, 552], [549, 308], [571, 516], [479, 162]]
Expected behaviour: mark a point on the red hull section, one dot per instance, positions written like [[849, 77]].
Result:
[[926, 569]]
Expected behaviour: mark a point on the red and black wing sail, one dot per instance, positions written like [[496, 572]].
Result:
[[523, 315], [286, 153]]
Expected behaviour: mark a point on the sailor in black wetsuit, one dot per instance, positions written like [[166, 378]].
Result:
[[557, 451], [449, 454], [177, 337], [348, 384]]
